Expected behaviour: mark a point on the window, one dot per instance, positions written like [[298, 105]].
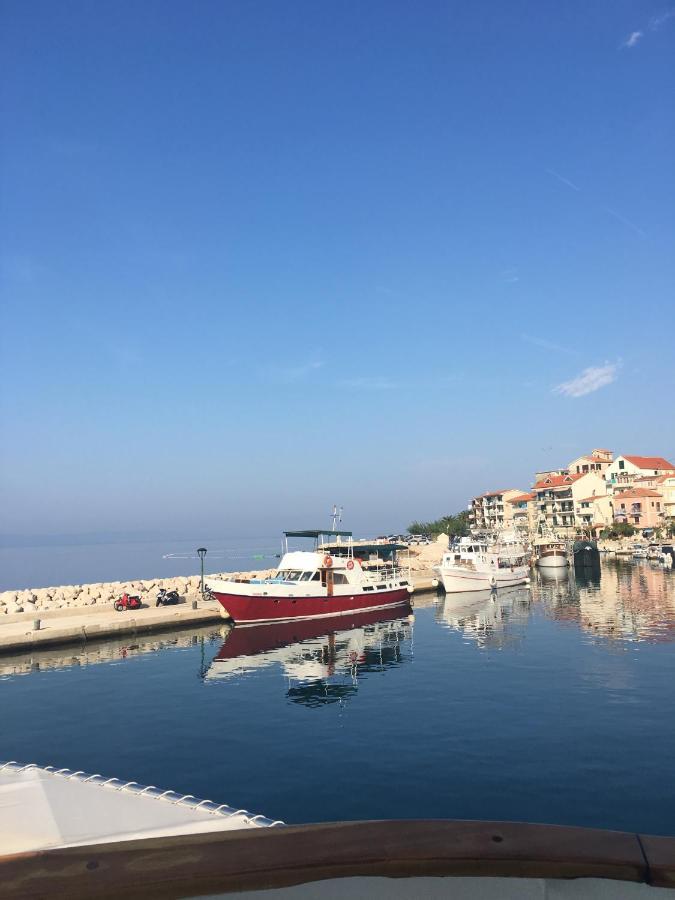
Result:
[[293, 576], [637, 520], [621, 464], [339, 578], [316, 576], [306, 576]]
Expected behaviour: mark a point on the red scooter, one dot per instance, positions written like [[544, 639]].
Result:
[[128, 601]]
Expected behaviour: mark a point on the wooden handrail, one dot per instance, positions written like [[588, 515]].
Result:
[[222, 862]]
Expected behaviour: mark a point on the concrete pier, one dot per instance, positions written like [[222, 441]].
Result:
[[77, 625]]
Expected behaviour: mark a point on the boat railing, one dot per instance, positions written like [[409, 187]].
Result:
[[133, 787], [379, 571]]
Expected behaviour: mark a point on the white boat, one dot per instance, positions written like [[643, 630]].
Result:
[[477, 564], [551, 553], [337, 577], [639, 551], [654, 552], [48, 808]]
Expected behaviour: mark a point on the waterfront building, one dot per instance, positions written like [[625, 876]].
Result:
[[557, 497], [639, 507], [524, 515], [598, 461], [595, 513], [491, 510], [624, 470], [667, 489]]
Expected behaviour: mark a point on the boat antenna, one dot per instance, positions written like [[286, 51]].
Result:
[[337, 515]]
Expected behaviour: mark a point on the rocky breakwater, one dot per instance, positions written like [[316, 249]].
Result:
[[102, 593]]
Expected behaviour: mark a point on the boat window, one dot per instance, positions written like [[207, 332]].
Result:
[[316, 576], [293, 575], [305, 576], [339, 578]]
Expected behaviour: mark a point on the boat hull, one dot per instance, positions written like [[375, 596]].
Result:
[[249, 610], [458, 579], [552, 561]]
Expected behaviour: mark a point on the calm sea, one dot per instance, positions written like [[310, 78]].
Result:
[[45, 563], [554, 703]]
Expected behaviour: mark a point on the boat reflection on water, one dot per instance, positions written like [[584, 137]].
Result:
[[322, 660], [625, 602], [485, 616]]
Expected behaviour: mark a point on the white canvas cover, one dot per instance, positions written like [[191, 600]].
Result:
[[46, 808]]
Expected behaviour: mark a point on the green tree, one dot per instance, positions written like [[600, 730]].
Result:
[[617, 530], [457, 525]]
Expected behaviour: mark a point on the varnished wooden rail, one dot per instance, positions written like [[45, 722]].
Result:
[[223, 862]]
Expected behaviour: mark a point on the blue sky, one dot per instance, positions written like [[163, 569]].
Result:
[[258, 257]]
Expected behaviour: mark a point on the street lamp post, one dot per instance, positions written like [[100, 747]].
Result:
[[202, 553]]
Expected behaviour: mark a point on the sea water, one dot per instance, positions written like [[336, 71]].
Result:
[[549, 703]]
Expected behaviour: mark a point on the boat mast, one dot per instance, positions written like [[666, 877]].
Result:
[[337, 518]]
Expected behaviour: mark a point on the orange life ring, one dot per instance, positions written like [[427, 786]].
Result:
[[350, 564], [327, 561]]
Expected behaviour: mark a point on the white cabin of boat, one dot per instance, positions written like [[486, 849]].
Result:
[[337, 565]]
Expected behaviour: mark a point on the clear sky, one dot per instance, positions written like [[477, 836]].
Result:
[[260, 257]]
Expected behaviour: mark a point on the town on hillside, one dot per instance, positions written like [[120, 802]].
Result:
[[596, 495]]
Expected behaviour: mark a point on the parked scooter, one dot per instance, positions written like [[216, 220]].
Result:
[[128, 601], [167, 598]]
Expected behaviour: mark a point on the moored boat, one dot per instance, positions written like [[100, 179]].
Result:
[[48, 808], [478, 564], [586, 554], [338, 576], [639, 551], [551, 553]]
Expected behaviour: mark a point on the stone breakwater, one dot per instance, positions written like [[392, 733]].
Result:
[[103, 593]]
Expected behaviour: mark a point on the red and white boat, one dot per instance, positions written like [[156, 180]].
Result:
[[337, 576]]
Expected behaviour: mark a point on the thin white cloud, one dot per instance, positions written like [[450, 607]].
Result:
[[562, 178], [632, 39], [654, 24], [588, 381], [657, 21], [625, 221], [369, 383], [545, 344], [510, 276]]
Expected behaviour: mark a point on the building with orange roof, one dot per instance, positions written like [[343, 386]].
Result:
[[524, 515], [491, 510], [595, 513], [641, 507], [557, 498], [597, 461], [626, 468]]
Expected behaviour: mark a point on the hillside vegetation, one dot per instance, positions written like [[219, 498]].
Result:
[[457, 525]]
